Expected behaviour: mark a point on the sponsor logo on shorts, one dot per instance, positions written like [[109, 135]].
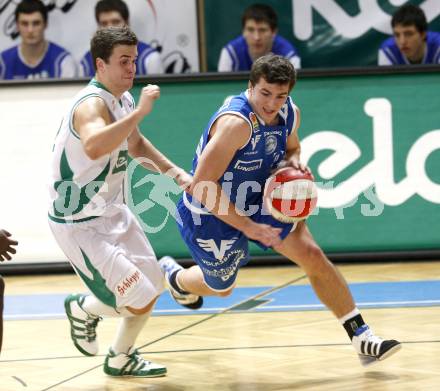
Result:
[[210, 246], [128, 283], [236, 256]]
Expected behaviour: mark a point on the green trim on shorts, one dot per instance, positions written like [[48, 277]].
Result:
[[97, 284], [67, 221]]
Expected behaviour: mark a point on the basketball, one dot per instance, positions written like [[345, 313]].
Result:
[[290, 195]]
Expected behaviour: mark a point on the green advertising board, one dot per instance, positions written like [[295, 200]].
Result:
[[372, 141], [331, 33]]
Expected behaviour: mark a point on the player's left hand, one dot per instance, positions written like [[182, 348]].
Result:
[[6, 244], [295, 163]]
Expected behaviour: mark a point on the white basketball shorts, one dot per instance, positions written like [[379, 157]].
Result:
[[113, 257]]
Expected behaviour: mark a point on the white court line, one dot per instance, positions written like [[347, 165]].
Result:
[[358, 303], [217, 309], [63, 314]]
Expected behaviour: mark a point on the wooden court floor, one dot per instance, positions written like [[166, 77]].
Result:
[[234, 350]]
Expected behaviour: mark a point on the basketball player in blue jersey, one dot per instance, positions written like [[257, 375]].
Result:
[[115, 13], [35, 57], [6, 249], [412, 43], [87, 213], [245, 140], [259, 37]]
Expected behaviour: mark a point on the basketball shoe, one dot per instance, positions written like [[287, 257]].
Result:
[[371, 348], [82, 325], [131, 364], [170, 268]]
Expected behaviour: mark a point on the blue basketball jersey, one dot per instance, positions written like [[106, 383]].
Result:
[[13, 67], [432, 56], [253, 163], [144, 50], [239, 52], [219, 249]]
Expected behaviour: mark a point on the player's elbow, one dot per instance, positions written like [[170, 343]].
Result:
[[92, 150]]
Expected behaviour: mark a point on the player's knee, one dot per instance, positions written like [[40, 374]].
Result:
[[315, 252], [312, 253], [220, 290], [225, 293], [2, 286], [143, 310]]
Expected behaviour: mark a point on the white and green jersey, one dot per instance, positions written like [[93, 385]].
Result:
[[80, 188]]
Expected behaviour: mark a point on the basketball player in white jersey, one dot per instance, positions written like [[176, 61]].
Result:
[[98, 233]]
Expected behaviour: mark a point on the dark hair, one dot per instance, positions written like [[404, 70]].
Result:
[[274, 69], [112, 5], [105, 40], [260, 13], [31, 6], [409, 15]]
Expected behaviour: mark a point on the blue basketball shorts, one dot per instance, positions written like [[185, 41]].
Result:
[[219, 249]]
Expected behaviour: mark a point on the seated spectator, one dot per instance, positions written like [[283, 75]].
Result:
[[259, 37], [412, 43], [115, 13], [34, 57]]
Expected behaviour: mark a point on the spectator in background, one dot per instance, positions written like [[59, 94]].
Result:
[[412, 43], [6, 249], [35, 57], [115, 13], [259, 37]]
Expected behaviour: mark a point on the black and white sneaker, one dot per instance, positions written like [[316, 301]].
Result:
[[170, 268], [371, 348]]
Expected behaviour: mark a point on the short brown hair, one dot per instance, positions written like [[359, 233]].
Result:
[[105, 40], [274, 69]]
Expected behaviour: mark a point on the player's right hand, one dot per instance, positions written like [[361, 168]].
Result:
[[264, 233], [6, 244], [147, 97]]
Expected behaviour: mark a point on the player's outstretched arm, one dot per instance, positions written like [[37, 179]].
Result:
[[141, 149]]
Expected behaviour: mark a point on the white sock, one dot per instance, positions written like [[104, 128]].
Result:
[[350, 315], [95, 307], [128, 330]]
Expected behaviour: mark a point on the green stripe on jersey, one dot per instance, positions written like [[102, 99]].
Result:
[[98, 84], [72, 199], [72, 130]]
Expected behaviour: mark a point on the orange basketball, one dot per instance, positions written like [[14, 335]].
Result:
[[290, 195]]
